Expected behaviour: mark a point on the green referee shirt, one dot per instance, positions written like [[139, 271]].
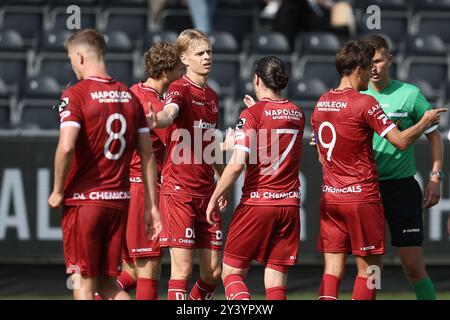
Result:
[[404, 105]]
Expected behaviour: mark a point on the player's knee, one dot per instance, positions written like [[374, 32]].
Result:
[[212, 275], [414, 272]]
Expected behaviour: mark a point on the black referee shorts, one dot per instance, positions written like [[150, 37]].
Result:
[[402, 202]]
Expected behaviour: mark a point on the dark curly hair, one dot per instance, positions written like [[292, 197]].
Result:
[[162, 56]]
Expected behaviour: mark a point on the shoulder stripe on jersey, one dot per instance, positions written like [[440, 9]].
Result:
[[143, 130], [172, 105], [243, 148], [70, 124], [397, 114], [431, 129], [385, 132]]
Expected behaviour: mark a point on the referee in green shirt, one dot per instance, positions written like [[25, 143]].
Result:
[[402, 197]]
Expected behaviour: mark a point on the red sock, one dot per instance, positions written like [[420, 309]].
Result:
[[202, 290], [97, 296], [329, 287], [177, 290], [276, 293], [126, 281], [361, 290], [235, 288], [146, 289]]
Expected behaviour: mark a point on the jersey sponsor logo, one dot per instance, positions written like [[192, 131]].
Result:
[[203, 125], [140, 250], [198, 103], [285, 114], [111, 96], [413, 230], [63, 104], [240, 123], [275, 195], [331, 105], [102, 195], [351, 189]]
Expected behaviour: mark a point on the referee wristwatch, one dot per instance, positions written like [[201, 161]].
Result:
[[438, 173]]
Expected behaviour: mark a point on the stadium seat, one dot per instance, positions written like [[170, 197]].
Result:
[[224, 71], [423, 68], [5, 108], [157, 36], [38, 114], [400, 5], [435, 97], [25, 2], [432, 5], [243, 87], [13, 59], [425, 45], [81, 3], [41, 87], [238, 22], [263, 43], [396, 27], [436, 24], [132, 21], [175, 20], [53, 41], [312, 43], [323, 70], [309, 89], [26, 20], [120, 68], [127, 3], [223, 42], [55, 65], [117, 41], [58, 18]]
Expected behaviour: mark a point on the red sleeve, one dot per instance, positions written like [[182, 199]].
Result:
[[70, 109], [174, 96], [374, 116], [141, 119], [246, 132]]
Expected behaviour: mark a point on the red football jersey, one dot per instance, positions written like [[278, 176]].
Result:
[[186, 170], [271, 132], [343, 123], [109, 117], [145, 95]]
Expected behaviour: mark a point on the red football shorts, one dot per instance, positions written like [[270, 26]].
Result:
[[267, 234], [93, 237], [184, 223], [137, 243], [351, 228]]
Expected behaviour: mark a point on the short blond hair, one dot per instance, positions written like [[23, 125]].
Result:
[[190, 38], [89, 37]]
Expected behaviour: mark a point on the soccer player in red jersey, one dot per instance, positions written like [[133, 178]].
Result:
[[142, 257], [191, 115], [101, 124], [266, 224], [351, 212]]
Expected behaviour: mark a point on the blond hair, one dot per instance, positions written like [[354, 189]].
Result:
[[89, 37], [190, 38]]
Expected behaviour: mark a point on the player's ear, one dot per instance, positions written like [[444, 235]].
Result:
[[183, 58]]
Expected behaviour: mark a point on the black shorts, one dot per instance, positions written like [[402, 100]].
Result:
[[402, 201]]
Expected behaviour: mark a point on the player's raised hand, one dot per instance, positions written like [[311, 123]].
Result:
[[152, 118], [248, 101], [433, 116], [211, 212], [55, 200], [152, 223]]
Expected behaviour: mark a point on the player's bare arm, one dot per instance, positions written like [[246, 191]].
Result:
[[223, 200], [403, 139], [432, 192], [230, 175], [164, 118], [148, 163], [63, 160]]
